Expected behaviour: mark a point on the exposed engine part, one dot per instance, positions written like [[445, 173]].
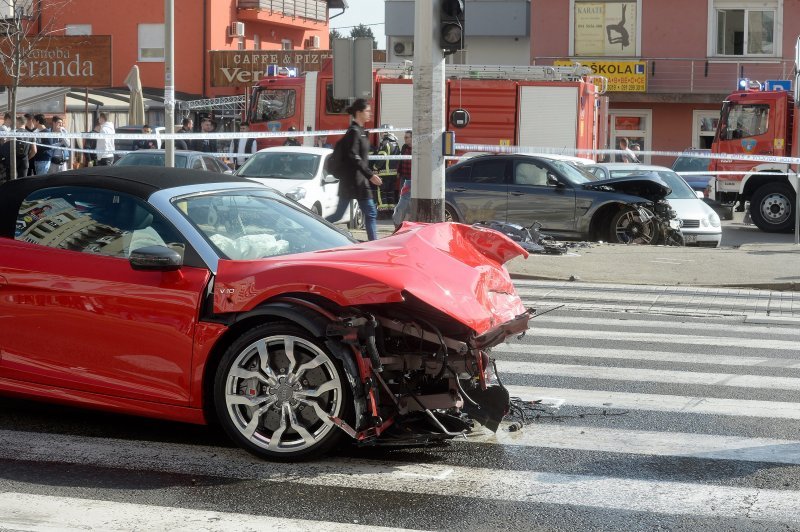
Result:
[[531, 238], [439, 401]]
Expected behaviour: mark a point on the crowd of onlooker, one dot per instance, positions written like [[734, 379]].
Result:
[[34, 155]]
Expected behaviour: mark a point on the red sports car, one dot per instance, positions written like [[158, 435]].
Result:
[[189, 296]]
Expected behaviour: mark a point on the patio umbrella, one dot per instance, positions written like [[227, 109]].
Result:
[[136, 109]]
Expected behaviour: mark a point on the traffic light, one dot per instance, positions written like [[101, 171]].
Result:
[[451, 34]]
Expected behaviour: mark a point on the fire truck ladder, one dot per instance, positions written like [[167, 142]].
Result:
[[225, 105], [574, 72]]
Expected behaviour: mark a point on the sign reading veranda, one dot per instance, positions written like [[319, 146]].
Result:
[[66, 61]]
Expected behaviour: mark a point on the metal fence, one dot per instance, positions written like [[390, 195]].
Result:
[[310, 9]]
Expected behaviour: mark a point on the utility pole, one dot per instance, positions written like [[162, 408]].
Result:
[[427, 160], [169, 81]]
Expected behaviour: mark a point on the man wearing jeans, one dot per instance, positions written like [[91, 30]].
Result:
[[105, 146], [41, 161]]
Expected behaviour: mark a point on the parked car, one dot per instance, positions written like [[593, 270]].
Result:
[[302, 174], [127, 144], [563, 198], [192, 296], [194, 160], [697, 160], [700, 224]]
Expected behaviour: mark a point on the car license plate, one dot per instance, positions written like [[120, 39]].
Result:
[[690, 239]]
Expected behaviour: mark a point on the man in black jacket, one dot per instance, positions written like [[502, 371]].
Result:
[[356, 177]]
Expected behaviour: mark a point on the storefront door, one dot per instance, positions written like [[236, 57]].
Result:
[[634, 125], [704, 124]]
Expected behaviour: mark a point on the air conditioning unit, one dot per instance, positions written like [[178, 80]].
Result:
[[236, 29], [403, 47]]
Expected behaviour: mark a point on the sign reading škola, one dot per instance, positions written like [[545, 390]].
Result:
[[622, 76]]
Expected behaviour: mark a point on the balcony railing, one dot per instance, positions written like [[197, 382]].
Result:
[[309, 9], [701, 75]]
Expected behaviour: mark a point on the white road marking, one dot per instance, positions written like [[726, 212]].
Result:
[[659, 338], [688, 324], [638, 354], [649, 375], [669, 498], [650, 443], [662, 403], [20, 511]]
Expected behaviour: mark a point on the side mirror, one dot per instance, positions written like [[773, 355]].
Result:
[[553, 180], [155, 258], [329, 178]]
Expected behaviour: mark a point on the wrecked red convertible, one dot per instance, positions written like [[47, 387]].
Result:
[[190, 296]]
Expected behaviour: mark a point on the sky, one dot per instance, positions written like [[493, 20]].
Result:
[[368, 12]]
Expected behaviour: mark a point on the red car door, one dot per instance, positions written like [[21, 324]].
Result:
[[88, 322]]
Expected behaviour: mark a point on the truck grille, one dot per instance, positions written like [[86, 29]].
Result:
[[691, 224]]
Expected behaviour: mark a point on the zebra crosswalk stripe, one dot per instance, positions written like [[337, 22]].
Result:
[[635, 495], [33, 512]]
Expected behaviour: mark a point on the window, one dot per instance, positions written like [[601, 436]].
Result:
[[743, 121], [151, 42], [78, 29], [256, 42], [460, 174], [530, 173], [745, 28], [273, 104], [332, 105], [286, 44], [92, 220], [605, 28], [489, 172]]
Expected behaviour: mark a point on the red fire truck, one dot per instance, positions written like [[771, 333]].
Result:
[[541, 106], [759, 123]]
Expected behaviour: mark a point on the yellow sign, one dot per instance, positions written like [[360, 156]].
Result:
[[622, 76], [505, 142]]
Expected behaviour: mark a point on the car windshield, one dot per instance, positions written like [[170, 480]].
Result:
[[150, 159], [573, 173], [252, 224], [680, 189], [281, 165], [691, 163]]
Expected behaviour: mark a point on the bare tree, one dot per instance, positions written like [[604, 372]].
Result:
[[23, 28]]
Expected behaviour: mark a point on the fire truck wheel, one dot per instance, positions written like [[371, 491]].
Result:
[[772, 207]]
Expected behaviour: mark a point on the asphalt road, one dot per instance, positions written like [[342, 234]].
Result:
[[735, 233], [684, 418]]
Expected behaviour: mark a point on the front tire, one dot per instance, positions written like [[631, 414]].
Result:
[[450, 214], [627, 227], [772, 207], [274, 391]]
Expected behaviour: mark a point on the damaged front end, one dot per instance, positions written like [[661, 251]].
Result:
[[422, 384], [411, 319]]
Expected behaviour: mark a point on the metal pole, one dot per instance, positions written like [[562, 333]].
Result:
[[796, 206], [427, 164], [169, 81]]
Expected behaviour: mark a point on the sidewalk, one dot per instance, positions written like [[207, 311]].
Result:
[[763, 266]]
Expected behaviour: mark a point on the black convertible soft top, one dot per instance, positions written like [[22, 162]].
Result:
[[140, 181]]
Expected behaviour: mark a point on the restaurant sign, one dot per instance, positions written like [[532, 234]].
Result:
[[235, 68], [65, 61]]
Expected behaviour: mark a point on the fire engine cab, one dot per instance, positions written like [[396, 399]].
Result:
[[761, 123], [541, 106]]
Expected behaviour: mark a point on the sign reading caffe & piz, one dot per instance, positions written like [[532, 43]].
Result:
[[65, 61], [235, 68]]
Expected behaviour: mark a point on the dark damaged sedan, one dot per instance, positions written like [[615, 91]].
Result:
[[201, 297], [565, 199]]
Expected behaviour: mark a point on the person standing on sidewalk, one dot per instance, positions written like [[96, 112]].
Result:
[[105, 146], [401, 210], [44, 152], [60, 153], [356, 176], [242, 149]]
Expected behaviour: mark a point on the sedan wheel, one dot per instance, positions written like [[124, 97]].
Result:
[[628, 227], [276, 390], [450, 214]]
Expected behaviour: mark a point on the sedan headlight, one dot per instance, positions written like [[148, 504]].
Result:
[[713, 218], [296, 193]]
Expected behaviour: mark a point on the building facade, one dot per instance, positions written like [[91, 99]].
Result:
[[137, 31], [669, 64]]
